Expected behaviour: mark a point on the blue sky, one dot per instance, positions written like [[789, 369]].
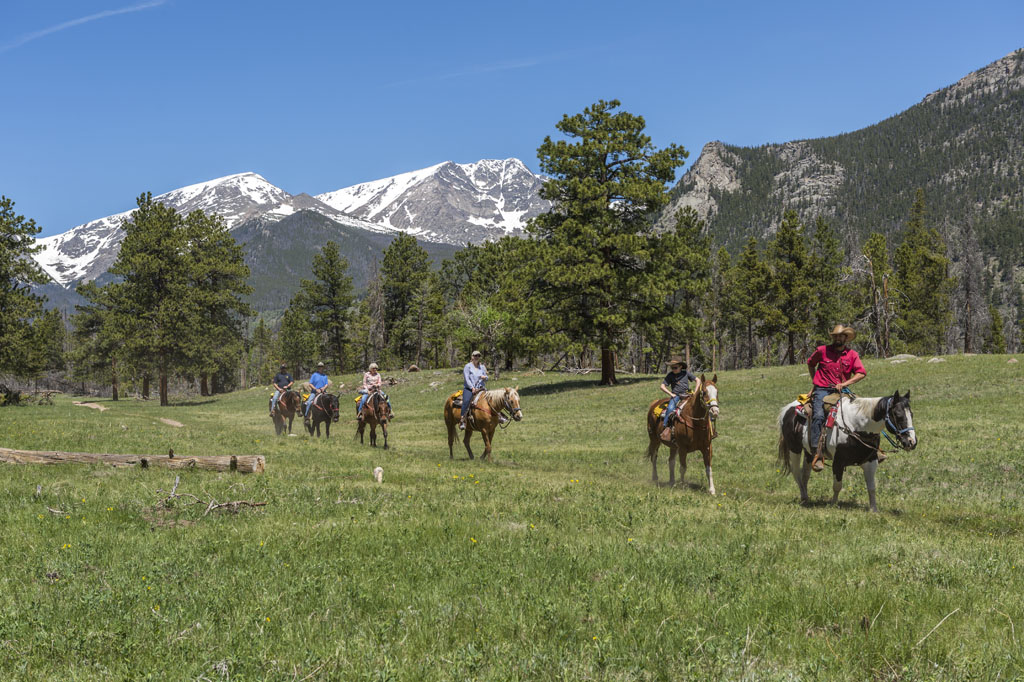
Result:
[[105, 99]]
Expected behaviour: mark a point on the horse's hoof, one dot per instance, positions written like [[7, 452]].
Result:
[[712, 492]]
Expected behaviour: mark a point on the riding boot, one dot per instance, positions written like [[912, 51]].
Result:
[[818, 463]]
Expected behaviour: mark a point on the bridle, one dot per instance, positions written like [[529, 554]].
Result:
[[898, 444], [506, 404]]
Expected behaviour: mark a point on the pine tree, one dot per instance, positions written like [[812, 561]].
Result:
[[326, 301], [404, 269], [923, 281], [297, 343], [98, 348], [792, 293], [18, 306], [875, 281], [681, 270], [606, 182], [750, 294], [829, 300], [995, 341]]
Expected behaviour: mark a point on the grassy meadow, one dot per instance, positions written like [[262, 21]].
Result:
[[559, 560]]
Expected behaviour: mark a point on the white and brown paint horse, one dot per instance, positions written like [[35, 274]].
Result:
[[691, 432], [854, 441]]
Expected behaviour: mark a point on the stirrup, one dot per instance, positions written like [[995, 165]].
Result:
[[818, 463]]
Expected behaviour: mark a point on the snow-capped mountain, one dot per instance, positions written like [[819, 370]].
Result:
[[86, 251], [451, 202]]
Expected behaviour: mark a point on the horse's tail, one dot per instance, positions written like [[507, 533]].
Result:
[[652, 430], [783, 459]]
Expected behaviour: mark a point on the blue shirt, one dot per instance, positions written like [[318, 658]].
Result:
[[473, 377], [318, 380]]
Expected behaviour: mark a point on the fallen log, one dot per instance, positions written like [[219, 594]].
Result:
[[246, 464]]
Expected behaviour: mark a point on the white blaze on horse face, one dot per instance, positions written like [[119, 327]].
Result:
[[911, 434], [713, 400]]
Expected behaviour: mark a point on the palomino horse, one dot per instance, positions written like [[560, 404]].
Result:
[[482, 417], [692, 431], [288, 405], [324, 411], [375, 412], [854, 440]]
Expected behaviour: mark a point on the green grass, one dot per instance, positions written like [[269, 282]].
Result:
[[560, 560]]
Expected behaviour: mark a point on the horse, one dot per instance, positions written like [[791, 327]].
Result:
[[482, 417], [691, 432], [375, 412], [854, 440], [325, 411], [288, 405]]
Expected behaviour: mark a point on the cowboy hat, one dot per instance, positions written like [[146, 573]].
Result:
[[676, 361], [319, 364], [475, 353], [848, 332]]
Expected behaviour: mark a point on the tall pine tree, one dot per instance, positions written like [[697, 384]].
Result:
[[326, 301], [606, 182]]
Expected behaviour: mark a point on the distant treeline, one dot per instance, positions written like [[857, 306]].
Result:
[[595, 285]]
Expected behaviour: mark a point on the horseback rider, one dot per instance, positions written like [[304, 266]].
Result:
[[474, 380], [282, 382], [833, 368], [676, 385], [317, 384], [371, 381]]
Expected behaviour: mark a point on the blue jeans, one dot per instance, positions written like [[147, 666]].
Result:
[[467, 400], [669, 409], [817, 415], [273, 401], [309, 401]]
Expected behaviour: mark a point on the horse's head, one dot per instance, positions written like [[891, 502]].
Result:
[[333, 406], [900, 420], [292, 400], [378, 405], [512, 403], [710, 395]]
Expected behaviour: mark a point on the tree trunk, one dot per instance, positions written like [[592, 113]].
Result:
[[163, 385], [145, 387], [204, 387], [967, 323], [246, 464], [113, 379], [608, 367], [790, 357], [750, 343]]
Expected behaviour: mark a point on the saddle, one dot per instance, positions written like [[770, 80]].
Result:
[[456, 398], [659, 409], [805, 409]]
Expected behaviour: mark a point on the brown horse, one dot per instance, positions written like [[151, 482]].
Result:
[[482, 417], [692, 431], [375, 412], [288, 405]]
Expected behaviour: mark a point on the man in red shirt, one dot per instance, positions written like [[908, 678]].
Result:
[[833, 367]]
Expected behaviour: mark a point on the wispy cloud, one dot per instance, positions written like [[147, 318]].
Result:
[[471, 71], [29, 37]]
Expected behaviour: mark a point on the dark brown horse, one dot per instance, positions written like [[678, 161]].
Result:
[[375, 412], [691, 432], [288, 405], [482, 417], [324, 411]]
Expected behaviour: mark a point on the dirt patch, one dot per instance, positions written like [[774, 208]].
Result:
[[171, 422]]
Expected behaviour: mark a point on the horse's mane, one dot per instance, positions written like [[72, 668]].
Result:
[[495, 398], [860, 409]]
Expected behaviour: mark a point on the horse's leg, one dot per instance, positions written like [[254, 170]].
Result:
[[327, 426], [652, 454], [707, 467], [384, 430], [373, 434], [800, 465], [487, 434], [469, 432], [682, 467], [869, 481], [451, 437], [360, 429], [672, 465], [837, 482]]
